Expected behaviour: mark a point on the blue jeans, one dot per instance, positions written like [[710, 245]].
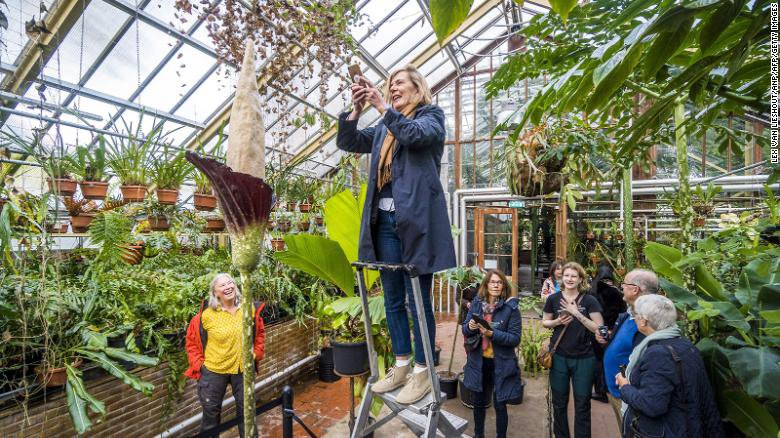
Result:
[[397, 288]]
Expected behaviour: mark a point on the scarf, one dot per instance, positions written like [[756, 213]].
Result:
[[487, 314], [384, 174], [667, 333]]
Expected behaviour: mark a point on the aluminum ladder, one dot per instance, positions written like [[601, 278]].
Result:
[[425, 417]]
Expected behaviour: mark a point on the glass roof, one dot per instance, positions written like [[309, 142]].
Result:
[[130, 62]]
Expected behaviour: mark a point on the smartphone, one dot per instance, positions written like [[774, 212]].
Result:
[[622, 370], [481, 321], [355, 71]]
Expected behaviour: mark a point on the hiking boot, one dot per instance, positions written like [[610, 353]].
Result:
[[395, 378], [418, 386]]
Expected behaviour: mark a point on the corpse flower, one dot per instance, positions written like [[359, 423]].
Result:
[[245, 201]]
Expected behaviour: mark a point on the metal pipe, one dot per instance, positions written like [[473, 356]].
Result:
[[49, 106], [172, 431]]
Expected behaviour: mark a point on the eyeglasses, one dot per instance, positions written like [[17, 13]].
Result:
[[624, 284], [495, 282]]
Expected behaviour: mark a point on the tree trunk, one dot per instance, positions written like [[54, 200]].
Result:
[[247, 353]]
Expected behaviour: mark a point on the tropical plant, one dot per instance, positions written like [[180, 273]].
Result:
[[738, 324], [202, 183], [168, 169], [89, 163], [110, 231], [704, 199], [129, 155], [530, 343]]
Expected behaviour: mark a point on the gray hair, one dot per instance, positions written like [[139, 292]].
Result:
[[646, 280], [658, 310], [213, 300]]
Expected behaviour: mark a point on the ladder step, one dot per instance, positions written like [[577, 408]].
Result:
[[417, 407], [418, 422]]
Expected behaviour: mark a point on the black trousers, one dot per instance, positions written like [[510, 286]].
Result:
[[481, 401], [211, 392]]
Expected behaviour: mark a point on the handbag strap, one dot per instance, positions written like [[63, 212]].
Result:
[[558, 341]]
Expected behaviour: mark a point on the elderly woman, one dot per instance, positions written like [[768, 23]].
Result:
[[405, 214], [213, 345], [491, 369], [665, 391]]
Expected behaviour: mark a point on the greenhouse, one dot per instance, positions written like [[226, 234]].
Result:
[[384, 218]]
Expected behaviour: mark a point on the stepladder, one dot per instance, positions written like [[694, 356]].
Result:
[[425, 418]]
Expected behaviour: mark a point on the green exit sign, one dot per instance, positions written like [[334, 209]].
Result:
[[516, 204]]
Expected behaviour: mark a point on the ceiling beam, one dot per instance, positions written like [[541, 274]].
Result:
[[418, 61], [37, 51]]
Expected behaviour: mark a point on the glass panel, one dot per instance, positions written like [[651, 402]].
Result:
[[15, 38], [471, 256]]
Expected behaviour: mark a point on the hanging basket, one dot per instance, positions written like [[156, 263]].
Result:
[[94, 189], [303, 225], [319, 221], [215, 225], [304, 207], [277, 244], [205, 202], [167, 196], [699, 221], [133, 193], [62, 186], [283, 225], [81, 222]]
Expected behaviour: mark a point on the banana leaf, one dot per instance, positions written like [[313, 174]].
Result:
[[140, 359], [320, 257], [115, 370]]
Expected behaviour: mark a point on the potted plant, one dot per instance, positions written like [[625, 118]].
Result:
[[277, 240], [58, 166], [283, 222], [168, 172], [129, 160], [81, 212], [89, 167], [214, 223], [158, 215], [703, 202], [203, 199], [304, 221]]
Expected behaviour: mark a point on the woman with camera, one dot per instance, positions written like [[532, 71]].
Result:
[[492, 329], [574, 317]]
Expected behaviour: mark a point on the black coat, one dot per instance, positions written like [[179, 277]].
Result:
[[610, 297], [420, 209], [506, 337], [657, 391]]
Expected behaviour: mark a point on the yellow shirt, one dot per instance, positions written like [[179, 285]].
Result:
[[223, 348], [488, 352]]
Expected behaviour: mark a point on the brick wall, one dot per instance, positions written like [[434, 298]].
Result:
[[131, 414]]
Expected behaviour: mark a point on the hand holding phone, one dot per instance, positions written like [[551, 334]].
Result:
[[481, 321], [356, 74]]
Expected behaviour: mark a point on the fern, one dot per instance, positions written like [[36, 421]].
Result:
[[110, 231]]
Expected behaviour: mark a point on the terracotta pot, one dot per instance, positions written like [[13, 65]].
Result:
[[303, 226], [62, 186], [304, 207], [699, 221], [133, 193], [215, 224], [290, 206], [54, 377], [284, 226], [159, 223], [167, 196], [204, 202], [94, 189], [619, 236], [81, 222], [277, 244], [319, 221]]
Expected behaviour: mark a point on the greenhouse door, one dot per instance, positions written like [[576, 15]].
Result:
[[496, 236]]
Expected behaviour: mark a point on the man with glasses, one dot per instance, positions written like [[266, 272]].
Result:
[[624, 336]]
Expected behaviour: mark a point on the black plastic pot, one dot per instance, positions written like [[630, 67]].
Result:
[[325, 370], [436, 354], [350, 359], [467, 396], [448, 382]]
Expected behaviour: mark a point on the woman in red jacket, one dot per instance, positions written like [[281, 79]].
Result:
[[214, 349]]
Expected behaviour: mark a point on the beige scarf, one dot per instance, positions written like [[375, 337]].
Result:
[[388, 149]]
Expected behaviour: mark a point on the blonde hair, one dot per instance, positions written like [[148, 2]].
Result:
[[580, 272], [213, 300], [483, 288], [423, 90]]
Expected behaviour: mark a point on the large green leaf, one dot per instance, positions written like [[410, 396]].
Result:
[[140, 359], [679, 295], [748, 415], [115, 370], [614, 74], [662, 258], [717, 23], [731, 315], [563, 7], [707, 284], [343, 214], [319, 256], [447, 16], [758, 370], [769, 297], [77, 408], [664, 47], [753, 277]]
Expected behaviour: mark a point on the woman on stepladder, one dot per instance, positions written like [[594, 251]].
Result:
[[491, 368], [405, 215], [574, 317]]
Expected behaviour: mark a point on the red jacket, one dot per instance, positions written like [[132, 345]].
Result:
[[196, 345]]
